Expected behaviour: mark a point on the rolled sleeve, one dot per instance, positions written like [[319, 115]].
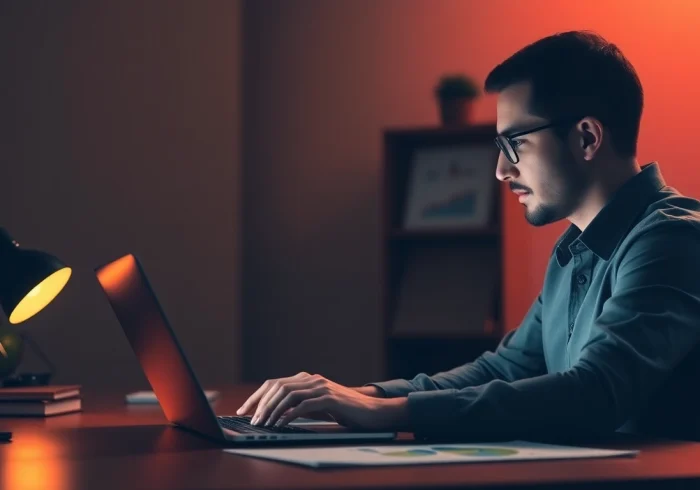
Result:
[[432, 412], [395, 388]]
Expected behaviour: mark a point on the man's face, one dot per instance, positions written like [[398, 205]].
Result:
[[548, 180]]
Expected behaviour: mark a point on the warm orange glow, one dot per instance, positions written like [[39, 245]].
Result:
[[113, 275], [33, 464], [40, 296]]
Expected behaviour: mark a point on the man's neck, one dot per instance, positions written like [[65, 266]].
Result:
[[611, 179]]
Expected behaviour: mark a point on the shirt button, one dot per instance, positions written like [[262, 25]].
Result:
[[581, 279]]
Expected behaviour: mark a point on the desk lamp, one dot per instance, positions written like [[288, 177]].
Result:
[[29, 280]]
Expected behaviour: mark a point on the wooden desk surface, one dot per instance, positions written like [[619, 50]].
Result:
[[112, 445]]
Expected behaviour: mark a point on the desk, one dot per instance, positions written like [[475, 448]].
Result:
[[112, 445]]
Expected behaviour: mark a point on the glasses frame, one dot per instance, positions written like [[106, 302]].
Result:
[[498, 139]]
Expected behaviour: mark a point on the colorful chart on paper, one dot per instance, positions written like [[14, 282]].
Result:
[[428, 454], [434, 451]]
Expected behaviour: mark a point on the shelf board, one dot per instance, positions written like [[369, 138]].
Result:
[[483, 131], [445, 336], [482, 232]]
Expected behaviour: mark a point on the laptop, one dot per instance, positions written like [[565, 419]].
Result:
[[172, 379]]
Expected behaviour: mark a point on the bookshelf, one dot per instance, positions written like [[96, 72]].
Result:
[[441, 280]]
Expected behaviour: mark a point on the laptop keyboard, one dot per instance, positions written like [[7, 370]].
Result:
[[242, 424]]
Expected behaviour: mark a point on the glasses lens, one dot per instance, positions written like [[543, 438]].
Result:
[[504, 144]]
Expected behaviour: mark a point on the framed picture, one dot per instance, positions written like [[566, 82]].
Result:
[[451, 187]]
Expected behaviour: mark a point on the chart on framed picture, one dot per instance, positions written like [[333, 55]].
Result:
[[451, 187]]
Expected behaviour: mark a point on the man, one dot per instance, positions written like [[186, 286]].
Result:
[[611, 342]]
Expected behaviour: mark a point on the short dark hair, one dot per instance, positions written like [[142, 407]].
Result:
[[579, 74]]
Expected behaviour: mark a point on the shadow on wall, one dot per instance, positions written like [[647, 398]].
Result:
[[319, 314]]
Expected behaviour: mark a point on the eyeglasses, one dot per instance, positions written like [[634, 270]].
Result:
[[505, 143]]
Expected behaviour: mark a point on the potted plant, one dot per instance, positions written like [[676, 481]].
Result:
[[11, 350], [456, 94]]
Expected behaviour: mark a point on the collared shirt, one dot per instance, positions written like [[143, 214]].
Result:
[[610, 343]]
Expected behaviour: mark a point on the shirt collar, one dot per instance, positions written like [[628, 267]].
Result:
[[613, 221]]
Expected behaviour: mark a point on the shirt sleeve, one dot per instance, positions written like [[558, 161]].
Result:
[[648, 325], [518, 355]]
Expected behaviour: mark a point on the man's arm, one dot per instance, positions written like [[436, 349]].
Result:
[[648, 325], [370, 391], [519, 355], [382, 405]]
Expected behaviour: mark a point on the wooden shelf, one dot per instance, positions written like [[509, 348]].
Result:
[[493, 231], [443, 134], [443, 336], [448, 279], [411, 356], [490, 331]]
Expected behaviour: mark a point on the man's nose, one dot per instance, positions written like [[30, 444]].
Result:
[[504, 169]]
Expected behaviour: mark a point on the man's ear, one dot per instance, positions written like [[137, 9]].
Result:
[[590, 136]]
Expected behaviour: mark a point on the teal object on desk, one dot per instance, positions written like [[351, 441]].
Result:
[[149, 398]]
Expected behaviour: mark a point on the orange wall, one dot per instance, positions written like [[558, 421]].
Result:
[[323, 79], [661, 39]]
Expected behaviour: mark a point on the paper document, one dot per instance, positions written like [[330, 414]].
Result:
[[427, 454]]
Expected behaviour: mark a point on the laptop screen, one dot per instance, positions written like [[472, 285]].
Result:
[[153, 341]]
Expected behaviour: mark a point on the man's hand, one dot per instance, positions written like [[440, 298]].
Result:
[[279, 401]]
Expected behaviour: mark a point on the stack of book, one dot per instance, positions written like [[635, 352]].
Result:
[[39, 401]]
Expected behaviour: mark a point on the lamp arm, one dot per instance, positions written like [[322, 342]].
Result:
[[28, 339]]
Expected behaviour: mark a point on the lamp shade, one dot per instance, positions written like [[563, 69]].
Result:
[[29, 279]]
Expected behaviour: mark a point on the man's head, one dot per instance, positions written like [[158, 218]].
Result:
[[588, 97]]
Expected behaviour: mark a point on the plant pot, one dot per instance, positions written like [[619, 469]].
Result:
[[456, 112], [11, 350]]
